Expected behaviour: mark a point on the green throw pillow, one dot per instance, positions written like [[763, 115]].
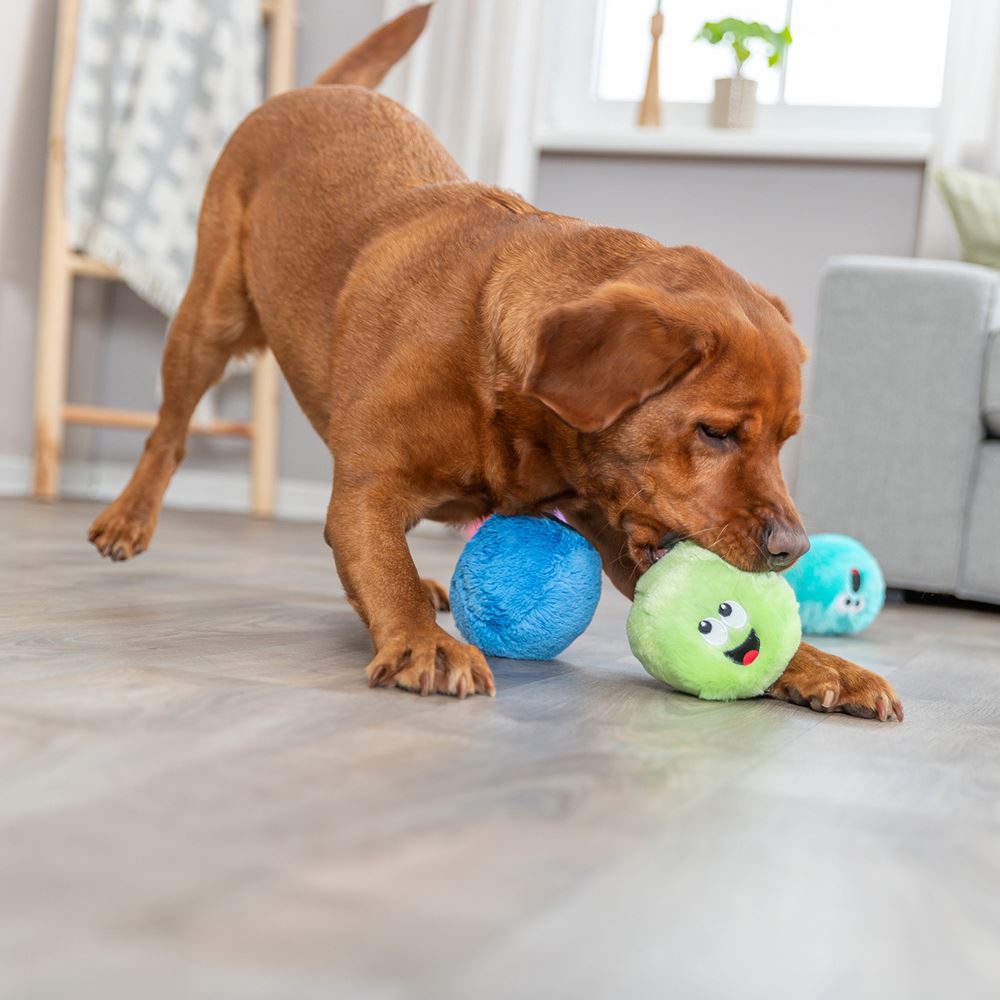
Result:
[[974, 202]]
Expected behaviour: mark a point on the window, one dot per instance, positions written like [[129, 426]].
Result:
[[872, 66], [687, 67], [865, 53]]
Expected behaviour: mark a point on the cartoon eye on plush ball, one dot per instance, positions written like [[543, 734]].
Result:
[[850, 602], [713, 631], [718, 632], [839, 585]]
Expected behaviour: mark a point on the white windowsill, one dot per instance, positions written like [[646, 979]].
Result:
[[756, 144]]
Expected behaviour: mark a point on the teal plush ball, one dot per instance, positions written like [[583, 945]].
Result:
[[707, 628], [525, 587], [839, 585]]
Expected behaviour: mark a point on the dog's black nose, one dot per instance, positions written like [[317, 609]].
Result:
[[784, 543]]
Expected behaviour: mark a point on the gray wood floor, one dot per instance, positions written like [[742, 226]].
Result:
[[199, 797]]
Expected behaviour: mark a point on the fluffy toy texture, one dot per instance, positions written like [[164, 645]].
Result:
[[839, 585], [525, 587], [709, 629]]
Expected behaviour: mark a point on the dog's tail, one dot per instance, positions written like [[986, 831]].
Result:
[[369, 61]]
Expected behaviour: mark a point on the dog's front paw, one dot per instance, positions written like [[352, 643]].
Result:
[[828, 683], [431, 661]]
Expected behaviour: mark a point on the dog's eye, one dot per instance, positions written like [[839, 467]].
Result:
[[713, 631], [715, 435], [732, 614]]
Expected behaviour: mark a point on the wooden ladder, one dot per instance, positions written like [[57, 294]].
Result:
[[61, 264]]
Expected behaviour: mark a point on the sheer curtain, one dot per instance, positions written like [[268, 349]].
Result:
[[968, 129], [473, 78]]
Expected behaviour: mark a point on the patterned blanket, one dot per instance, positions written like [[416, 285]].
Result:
[[158, 86]]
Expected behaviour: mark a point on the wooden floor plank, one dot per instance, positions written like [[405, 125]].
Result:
[[200, 797]]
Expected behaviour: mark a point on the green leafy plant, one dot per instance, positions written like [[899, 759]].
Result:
[[736, 33]]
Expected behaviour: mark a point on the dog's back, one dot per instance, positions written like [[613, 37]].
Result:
[[313, 174]]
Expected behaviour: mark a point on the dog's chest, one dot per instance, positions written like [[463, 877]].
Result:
[[524, 478]]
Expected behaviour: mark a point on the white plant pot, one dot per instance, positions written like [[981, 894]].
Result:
[[735, 104]]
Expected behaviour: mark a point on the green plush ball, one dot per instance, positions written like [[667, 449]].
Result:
[[707, 628]]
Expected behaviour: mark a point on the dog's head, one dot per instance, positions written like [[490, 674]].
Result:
[[683, 380]]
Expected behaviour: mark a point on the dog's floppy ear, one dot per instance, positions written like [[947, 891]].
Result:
[[780, 304], [786, 313], [599, 357]]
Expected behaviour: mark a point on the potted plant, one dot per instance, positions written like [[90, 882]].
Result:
[[735, 104]]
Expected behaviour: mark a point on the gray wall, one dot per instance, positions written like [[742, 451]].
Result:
[[25, 73], [775, 222]]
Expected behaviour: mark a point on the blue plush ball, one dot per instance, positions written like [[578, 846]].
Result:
[[839, 586], [525, 587]]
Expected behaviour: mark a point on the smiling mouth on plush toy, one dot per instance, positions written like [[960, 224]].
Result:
[[746, 652]]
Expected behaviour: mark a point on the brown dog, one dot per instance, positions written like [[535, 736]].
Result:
[[462, 352]]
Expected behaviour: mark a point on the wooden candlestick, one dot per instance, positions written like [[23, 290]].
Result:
[[650, 114]]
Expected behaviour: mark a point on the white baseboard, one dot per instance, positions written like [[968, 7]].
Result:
[[190, 489], [15, 476]]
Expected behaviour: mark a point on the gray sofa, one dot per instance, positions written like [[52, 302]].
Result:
[[901, 442]]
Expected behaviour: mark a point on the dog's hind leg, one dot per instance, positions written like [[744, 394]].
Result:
[[215, 321], [436, 594]]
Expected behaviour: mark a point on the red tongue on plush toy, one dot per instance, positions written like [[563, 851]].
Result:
[[749, 656]]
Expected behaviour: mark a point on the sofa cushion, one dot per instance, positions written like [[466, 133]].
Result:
[[991, 386], [974, 202]]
